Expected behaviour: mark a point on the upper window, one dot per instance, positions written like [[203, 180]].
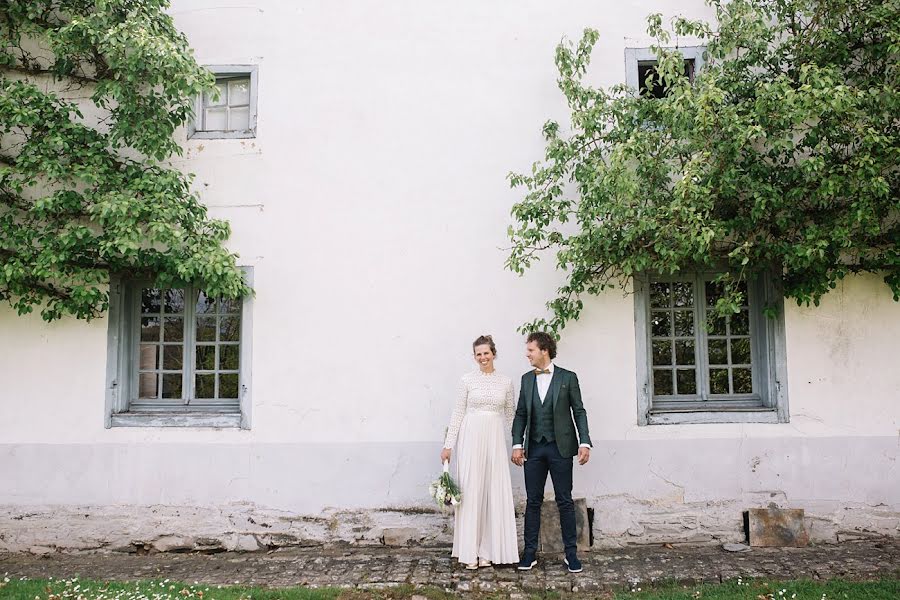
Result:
[[640, 69], [230, 112], [181, 357], [697, 366]]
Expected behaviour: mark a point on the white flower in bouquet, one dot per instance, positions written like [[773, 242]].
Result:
[[444, 490]]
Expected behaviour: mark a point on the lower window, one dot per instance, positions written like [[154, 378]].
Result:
[[180, 357], [696, 366]]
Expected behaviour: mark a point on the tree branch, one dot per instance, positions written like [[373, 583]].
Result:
[[54, 74]]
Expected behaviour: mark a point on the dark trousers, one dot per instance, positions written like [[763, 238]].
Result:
[[544, 458]]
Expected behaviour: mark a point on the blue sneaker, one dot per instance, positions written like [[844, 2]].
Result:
[[573, 564], [528, 561]]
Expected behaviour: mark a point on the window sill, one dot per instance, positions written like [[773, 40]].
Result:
[[177, 419], [222, 135], [695, 416]]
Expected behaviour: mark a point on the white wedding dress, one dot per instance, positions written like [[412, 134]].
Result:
[[485, 525]]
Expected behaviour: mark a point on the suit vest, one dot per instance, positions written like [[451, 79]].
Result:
[[541, 417]]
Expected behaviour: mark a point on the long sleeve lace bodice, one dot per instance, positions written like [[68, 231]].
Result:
[[478, 391]]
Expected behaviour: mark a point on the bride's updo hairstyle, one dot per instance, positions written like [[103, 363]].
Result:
[[485, 340]]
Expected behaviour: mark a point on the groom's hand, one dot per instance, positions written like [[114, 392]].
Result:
[[584, 455], [518, 456]]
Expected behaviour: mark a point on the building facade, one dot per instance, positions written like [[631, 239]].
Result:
[[360, 152]]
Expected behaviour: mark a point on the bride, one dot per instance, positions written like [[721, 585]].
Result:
[[485, 528]]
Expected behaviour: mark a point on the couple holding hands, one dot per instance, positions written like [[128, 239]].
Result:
[[549, 428]]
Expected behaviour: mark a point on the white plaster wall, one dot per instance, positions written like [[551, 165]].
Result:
[[373, 206]]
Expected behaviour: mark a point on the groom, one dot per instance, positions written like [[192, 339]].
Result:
[[544, 432]]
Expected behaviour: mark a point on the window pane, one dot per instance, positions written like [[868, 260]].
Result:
[[206, 358], [683, 293], [205, 386], [713, 292], [147, 385], [662, 382], [684, 352], [716, 324], [689, 69], [662, 352], [661, 323], [214, 100], [239, 119], [173, 357], [230, 305], [228, 386], [239, 92], [659, 295], [229, 357], [150, 300], [684, 323], [687, 381], [214, 119], [149, 329], [648, 81], [174, 301], [205, 304], [743, 382], [740, 351], [148, 357], [173, 329], [740, 323], [171, 387], [718, 352], [206, 329], [229, 329], [718, 381]]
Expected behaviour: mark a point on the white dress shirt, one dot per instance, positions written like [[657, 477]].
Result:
[[543, 382]]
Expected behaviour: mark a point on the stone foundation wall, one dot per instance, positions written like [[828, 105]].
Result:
[[617, 521]]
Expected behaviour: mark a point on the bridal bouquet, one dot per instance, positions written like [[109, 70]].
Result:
[[444, 490]]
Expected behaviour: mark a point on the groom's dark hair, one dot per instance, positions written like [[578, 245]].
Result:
[[544, 341]]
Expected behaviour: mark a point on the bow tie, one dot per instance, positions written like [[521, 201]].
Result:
[[542, 371]]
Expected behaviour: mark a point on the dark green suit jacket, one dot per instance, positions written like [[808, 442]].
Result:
[[568, 411]]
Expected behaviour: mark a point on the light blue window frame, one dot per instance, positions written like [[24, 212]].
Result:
[[767, 404]]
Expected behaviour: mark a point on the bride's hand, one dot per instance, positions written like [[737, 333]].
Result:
[[445, 455]]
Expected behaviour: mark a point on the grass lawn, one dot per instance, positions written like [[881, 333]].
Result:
[[772, 590], [12, 588]]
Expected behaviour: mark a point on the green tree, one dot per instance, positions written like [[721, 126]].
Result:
[[780, 156], [91, 92]]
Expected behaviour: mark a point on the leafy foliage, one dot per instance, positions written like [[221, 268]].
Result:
[[781, 156], [91, 92]]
